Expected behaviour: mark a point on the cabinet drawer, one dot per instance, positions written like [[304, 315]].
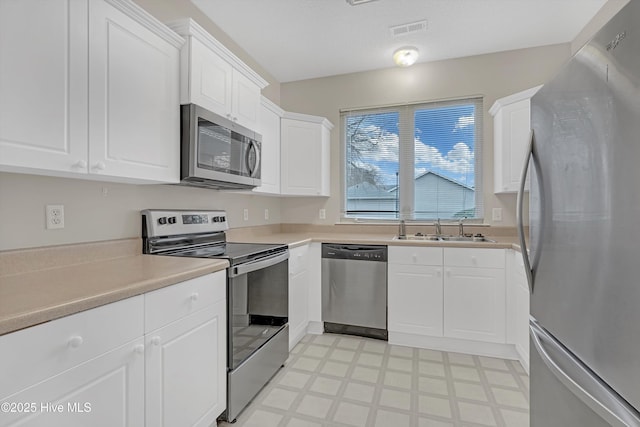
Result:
[[474, 257], [33, 354], [414, 255], [174, 302]]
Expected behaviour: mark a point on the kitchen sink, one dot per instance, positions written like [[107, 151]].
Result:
[[445, 238]]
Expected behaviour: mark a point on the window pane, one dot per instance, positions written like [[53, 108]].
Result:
[[444, 162], [372, 165]]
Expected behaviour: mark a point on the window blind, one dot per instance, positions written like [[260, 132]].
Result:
[[420, 161]]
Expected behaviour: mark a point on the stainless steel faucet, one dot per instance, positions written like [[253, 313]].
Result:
[[438, 227], [460, 227], [402, 233]]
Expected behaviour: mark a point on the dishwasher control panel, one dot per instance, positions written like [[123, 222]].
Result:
[[354, 252]]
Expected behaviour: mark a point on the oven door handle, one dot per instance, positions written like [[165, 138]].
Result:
[[241, 269]]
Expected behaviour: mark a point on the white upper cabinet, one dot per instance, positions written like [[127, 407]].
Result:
[[91, 90], [43, 86], [306, 143], [133, 96], [511, 128], [214, 78], [269, 128]]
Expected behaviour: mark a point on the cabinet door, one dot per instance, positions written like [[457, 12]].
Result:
[[511, 126], [245, 104], [522, 310], [43, 86], [133, 93], [301, 158], [298, 294], [474, 304], [107, 391], [298, 309], [415, 299], [269, 128], [186, 370], [210, 79]]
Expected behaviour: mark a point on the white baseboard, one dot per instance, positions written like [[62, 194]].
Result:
[[503, 351], [315, 328]]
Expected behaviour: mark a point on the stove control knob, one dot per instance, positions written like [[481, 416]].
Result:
[[172, 220], [162, 220], [216, 219], [222, 219]]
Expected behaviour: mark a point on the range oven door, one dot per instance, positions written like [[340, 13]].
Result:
[[258, 335], [258, 305]]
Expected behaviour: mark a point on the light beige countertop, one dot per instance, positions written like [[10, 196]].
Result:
[[294, 239], [39, 285], [43, 284]]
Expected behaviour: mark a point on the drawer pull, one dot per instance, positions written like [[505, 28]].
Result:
[[474, 260], [414, 257], [194, 297], [155, 341], [139, 349], [75, 341]]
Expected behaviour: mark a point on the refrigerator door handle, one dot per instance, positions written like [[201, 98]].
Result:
[[581, 381], [519, 219]]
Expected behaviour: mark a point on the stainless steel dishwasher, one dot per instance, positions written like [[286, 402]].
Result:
[[354, 289]]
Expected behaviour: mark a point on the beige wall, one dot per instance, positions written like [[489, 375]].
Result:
[[170, 10], [92, 215], [493, 76]]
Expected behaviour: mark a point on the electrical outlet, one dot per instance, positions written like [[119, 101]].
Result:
[[496, 214], [245, 214], [55, 216], [266, 214], [322, 214]]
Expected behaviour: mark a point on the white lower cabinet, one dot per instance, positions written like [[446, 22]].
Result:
[[449, 299], [107, 391], [84, 369], [415, 291], [185, 370], [474, 304], [474, 294], [518, 308], [99, 368], [184, 383], [298, 294]]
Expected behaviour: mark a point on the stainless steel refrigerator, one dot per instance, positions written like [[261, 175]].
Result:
[[584, 258]]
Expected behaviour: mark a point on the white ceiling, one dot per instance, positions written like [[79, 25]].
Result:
[[302, 39]]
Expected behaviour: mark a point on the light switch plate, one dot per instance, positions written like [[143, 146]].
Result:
[[245, 214], [496, 214], [322, 214]]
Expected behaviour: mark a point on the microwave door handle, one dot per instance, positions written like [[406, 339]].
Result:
[[252, 168]]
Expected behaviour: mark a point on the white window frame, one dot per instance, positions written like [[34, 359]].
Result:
[[406, 153]]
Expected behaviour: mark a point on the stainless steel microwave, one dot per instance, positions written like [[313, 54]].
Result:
[[217, 152]]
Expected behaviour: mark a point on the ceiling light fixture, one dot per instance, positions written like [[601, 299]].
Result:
[[357, 2], [405, 56]]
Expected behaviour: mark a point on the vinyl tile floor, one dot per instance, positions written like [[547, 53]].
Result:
[[345, 381]]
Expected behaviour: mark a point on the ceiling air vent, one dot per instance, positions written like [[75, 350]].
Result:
[[357, 2], [410, 28]]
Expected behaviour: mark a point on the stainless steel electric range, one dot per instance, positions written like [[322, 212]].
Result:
[[257, 294]]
